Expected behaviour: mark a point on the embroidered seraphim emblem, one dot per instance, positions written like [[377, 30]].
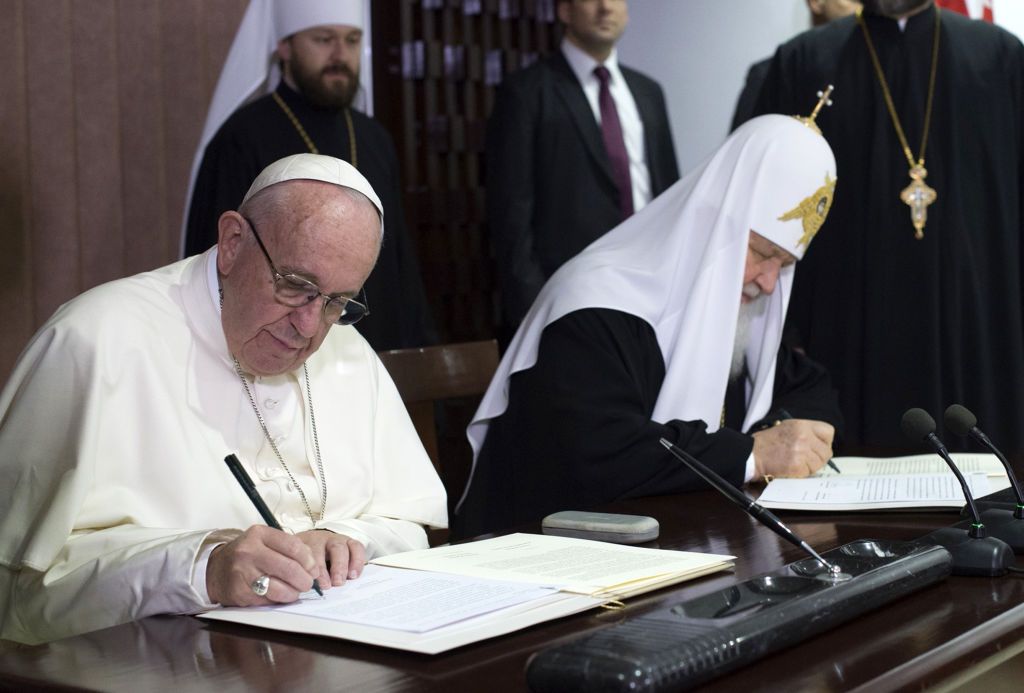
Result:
[[812, 210]]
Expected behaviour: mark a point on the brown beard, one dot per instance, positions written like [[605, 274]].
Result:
[[333, 96]]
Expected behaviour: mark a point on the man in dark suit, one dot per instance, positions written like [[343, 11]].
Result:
[[562, 169]]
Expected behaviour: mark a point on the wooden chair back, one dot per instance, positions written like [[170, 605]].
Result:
[[429, 374]]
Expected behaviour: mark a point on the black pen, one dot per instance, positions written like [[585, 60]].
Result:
[[783, 415], [749, 505], [250, 490]]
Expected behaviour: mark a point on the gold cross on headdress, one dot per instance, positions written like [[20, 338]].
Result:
[[823, 100]]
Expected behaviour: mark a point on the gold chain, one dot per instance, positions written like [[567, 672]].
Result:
[[918, 195], [309, 141]]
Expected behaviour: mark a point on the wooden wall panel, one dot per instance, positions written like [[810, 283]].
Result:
[[103, 104], [183, 94], [97, 155], [16, 314], [142, 147], [53, 198]]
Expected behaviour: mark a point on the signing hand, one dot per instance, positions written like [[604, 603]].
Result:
[[338, 557], [793, 448], [260, 550]]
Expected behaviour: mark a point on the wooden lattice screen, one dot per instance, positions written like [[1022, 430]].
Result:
[[436, 64]]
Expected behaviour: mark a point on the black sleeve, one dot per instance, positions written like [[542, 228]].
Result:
[[578, 431], [603, 370]]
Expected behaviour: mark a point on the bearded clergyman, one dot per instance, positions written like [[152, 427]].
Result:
[[669, 326], [914, 295], [290, 85]]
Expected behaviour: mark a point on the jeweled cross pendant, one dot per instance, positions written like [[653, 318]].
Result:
[[918, 196]]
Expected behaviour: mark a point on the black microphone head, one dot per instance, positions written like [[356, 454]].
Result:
[[959, 419], [917, 424]]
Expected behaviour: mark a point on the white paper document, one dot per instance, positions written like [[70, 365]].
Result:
[[966, 462], [436, 599], [414, 600], [850, 492], [576, 565]]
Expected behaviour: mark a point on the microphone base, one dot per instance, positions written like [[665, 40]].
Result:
[[981, 557], [1001, 524], [1004, 499]]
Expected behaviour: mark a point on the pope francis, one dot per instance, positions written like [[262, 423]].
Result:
[[115, 501]]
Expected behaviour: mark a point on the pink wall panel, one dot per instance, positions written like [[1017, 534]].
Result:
[[103, 103]]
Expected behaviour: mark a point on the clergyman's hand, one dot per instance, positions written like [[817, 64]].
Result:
[[338, 557], [793, 448], [258, 551]]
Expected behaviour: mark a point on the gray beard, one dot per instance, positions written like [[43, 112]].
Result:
[[748, 311]]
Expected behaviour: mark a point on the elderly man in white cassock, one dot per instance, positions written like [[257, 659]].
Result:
[[113, 427], [667, 327]]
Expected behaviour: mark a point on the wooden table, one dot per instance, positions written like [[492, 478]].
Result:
[[928, 637]]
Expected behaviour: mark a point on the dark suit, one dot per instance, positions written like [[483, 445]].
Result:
[[550, 189]]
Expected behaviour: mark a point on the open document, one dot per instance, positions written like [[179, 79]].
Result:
[[434, 600], [913, 482], [966, 462]]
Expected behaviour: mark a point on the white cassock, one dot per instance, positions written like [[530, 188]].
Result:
[[113, 431]]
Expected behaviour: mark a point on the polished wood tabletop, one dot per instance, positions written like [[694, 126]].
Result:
[[920, 640]]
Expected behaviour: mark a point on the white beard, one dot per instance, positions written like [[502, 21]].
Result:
[[748, 311]]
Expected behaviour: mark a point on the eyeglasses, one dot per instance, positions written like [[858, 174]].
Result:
[[293, 290]]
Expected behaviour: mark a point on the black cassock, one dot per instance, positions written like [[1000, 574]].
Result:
[[260, 133], [901, 322], [578, 431]]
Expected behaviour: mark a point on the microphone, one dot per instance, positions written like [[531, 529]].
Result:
[[1000, 521], [749, 506], [962, 422], [973, 553]]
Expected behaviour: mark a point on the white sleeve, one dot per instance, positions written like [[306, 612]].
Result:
[[751, 469], [407, 492], [103, 578]]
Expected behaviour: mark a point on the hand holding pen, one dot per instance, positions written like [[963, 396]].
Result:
[[266, 565], [259, 567], [783, 415], [792, 447]]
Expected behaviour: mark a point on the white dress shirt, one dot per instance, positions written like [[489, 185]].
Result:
[[629, 115]]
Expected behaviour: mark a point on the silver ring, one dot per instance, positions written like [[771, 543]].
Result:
[[261, 585]]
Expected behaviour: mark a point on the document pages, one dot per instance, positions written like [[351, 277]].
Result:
[[437, 599], [863, 483]]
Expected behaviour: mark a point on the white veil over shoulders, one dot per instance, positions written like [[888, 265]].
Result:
[[678, 264], [251, 69]]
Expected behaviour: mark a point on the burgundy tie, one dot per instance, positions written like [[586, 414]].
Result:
[[611, 133]]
